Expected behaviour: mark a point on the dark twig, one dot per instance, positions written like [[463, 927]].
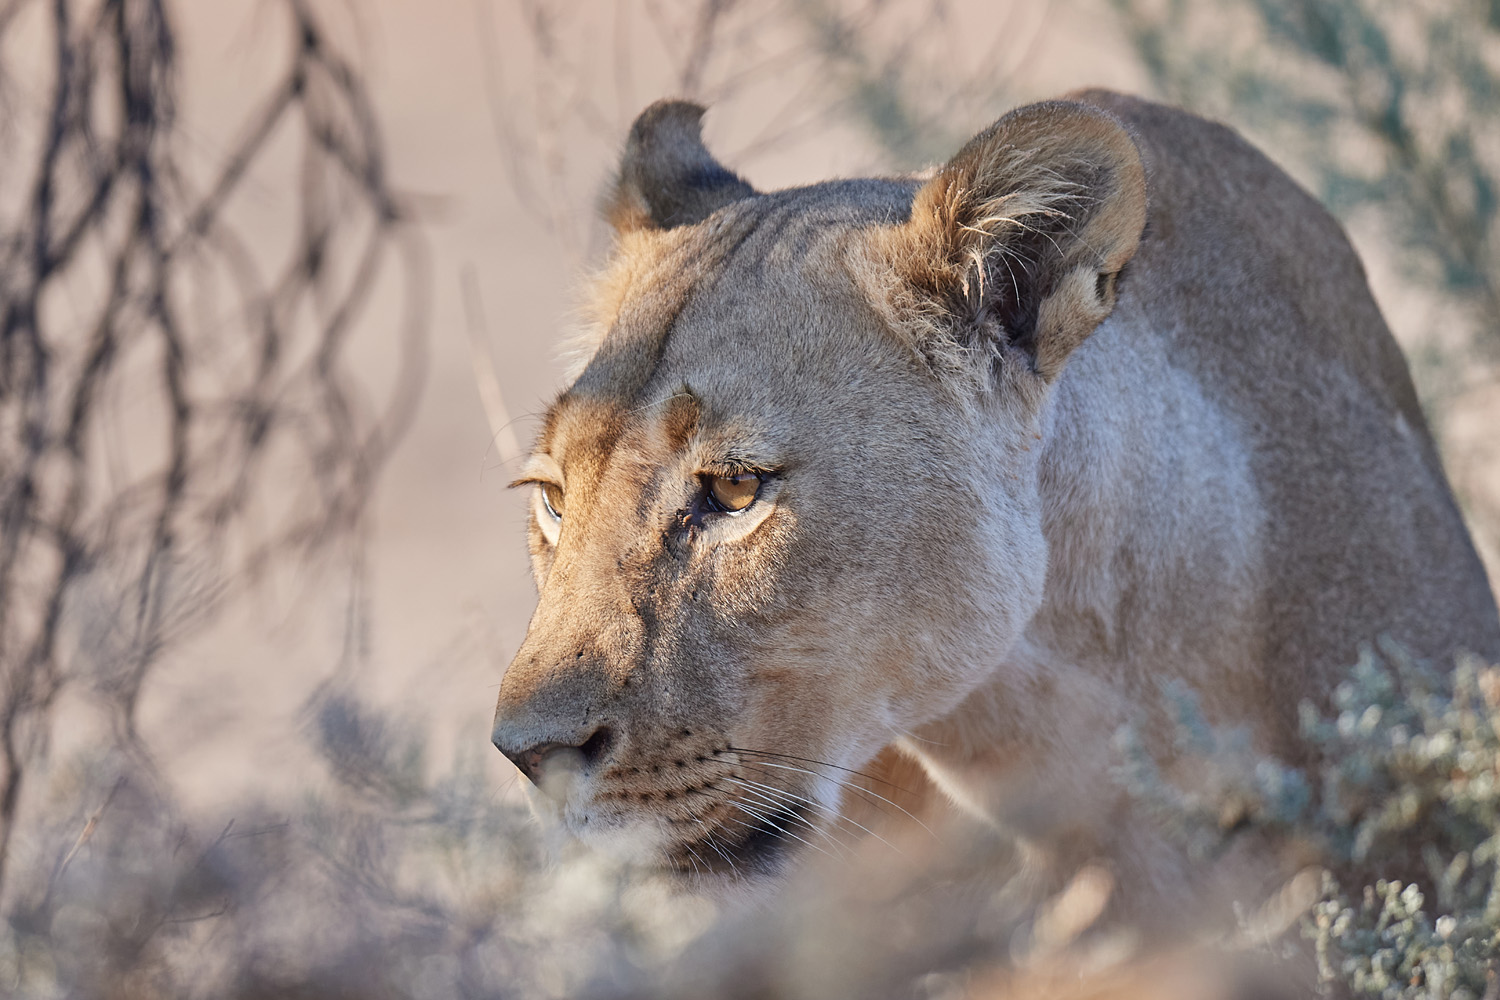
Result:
[[104, 566]]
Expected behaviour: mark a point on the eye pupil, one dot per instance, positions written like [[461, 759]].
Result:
[[731, 494], [552, 499]]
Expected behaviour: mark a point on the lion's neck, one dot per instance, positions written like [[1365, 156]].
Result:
[[1152, 523]]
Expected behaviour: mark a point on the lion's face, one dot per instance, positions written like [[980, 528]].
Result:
[[770, 531]]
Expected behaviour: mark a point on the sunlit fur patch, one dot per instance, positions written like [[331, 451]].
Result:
[[648, 280], [639, 258]]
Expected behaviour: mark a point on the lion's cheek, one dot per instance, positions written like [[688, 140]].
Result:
[[959, 636]]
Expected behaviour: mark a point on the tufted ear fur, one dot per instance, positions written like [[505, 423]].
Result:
[[667, 178], [1015, 244]]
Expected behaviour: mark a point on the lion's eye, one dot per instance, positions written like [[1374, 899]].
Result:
[[731, 494], [552, 499]]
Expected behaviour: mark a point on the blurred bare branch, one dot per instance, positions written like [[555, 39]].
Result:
[[118, 278], [502, 435], [795, 69]]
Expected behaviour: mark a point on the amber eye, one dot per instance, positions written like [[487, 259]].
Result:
[[552, 499], [732, 494]]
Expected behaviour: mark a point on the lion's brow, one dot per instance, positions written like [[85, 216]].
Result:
[[598, 428]]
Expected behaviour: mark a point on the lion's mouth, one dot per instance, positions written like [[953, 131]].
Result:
[[701, 810], [753, 846]]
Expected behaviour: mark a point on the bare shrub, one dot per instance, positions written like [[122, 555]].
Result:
[[122, 278], [905, 78]]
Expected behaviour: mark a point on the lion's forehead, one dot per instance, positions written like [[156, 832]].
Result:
[[772, 249], [734, 344]]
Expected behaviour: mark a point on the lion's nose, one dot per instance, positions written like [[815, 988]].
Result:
[[535, 760]]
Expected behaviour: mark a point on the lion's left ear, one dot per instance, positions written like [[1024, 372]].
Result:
[[667, 177], [1016, 242]]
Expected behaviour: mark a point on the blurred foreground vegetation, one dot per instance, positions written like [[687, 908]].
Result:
[[388, 882]]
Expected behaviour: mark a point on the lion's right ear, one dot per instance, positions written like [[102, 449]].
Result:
[[1012, 248], [667, 177]]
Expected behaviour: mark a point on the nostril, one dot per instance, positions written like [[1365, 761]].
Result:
[[597, 745], [533, 760]]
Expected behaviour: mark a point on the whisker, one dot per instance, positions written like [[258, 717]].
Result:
[[712, 841], [783, 799], [846, 784], [762, 818], [709, 840], [821, 763], [776, 804], [641, 409], [920, 739], [696, 859], [763, 821], [840, 817], [850, 786], [803, 800]]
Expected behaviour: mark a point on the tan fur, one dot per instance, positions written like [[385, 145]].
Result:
[[1103, 403]]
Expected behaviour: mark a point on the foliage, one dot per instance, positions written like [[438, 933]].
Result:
[[395, 879], [1408, 780], [385, 882], [1413, 762]]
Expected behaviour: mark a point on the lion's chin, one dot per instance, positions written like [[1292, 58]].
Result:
[[729, 858]]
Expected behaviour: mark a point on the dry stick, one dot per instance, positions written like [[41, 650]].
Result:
[[485, 380], [139, 166], [701, 49], [85, 836], [22, 680]]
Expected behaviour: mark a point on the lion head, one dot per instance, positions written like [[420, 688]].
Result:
[[789, 509]]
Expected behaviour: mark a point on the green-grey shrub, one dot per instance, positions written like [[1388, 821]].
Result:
[[1408, 781]]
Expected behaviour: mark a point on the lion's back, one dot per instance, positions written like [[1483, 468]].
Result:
[[1258, 293]]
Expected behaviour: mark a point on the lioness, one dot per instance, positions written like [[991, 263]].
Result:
[[964, 466]]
